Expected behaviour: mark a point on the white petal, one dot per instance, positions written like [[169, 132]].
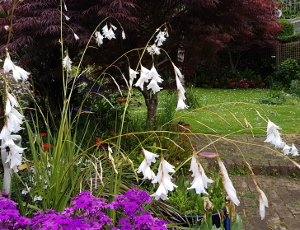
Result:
[[150, 157], [5, 133], [153, 74], [161, 193], [20, 73], [76, 36], [123, 35], [198, 185], [99, 38], [13, 123], [167, 167], [263, 202], [67, 63], [286, 149], [132, 73], [13, 100], [228, 186], [177, 71], [7, 107], [168, 184], [8, 64], [181, 105], [140, 82], [294, 150], [154, 86]]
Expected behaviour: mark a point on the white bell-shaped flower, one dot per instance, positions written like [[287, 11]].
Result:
[[144, 78], [286, 149], [14, 123], [99, 38], [153, 49], [154, 86], [67, 63], [150, 157], [146, 170], [263, 202], [228, 186], [18, 72], [294, 151], [153, 74], [164, 180], [273, 136]]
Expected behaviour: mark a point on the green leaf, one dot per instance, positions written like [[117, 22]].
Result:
[[238, 224]]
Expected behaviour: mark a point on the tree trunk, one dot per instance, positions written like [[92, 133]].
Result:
[[151, 103], [230, 59]]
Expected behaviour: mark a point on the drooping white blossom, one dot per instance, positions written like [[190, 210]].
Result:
[[14, 123], [294, 151], [144, 78], [273, 135], [146, 170], [180, 102], [200, 182], [263, 202], [67, 18], [164, 180], [67, 63], [228, 186], [286, 149], [108, 32], [76, 36], [161, 37], [132, 73], [123, 35], [145, 165], [153, 49], [153, 74], [149, 156], [153, 86], [18, 72], [99, 38]]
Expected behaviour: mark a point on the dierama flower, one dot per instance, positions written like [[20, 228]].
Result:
[[200, 181], [145, 165], [76, 36], [144, 78], [164, 180], [99, 38], [153, 74], [154, 86], [263, 202], [228, 186], [67, 63], [18, 72], [286, 149], [294, 151], [161, 37], [108, 33], [273, 136], [153, 49]]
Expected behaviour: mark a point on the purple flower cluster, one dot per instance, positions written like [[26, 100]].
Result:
[[10, 216], [86, 212], [132, 204]]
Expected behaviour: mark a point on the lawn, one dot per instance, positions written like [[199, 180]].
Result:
[[225, 111]]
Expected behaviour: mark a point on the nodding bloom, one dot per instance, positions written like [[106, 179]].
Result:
[[200, 182], [76, 36], [153, 74], [18, 72], [286, 149], [228, 186], [161, 37], [273, 136], [99, 38], [294, 151], [144, 78], [180, 90], [123, 35], [153, 49], [14, 158], [67, 63], [263, 202], [145, 165], [154, 86], [109, 33], [164, 180]]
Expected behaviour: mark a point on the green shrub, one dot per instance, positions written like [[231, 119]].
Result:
[[288, 70], [287, 29], [295, 87], [290, 38]]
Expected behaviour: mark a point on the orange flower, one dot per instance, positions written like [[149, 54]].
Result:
[[47, 146]]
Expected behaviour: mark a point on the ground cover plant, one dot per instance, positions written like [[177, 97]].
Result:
[[56, 164]]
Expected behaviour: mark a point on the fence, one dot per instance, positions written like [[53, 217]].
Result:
[[289, 50]]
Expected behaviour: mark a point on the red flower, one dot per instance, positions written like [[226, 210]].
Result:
[[98, 142], [232, 83], [246, 85], [43, 134], [47, 146]]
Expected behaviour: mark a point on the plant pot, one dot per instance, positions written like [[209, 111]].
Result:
[[217, 218]]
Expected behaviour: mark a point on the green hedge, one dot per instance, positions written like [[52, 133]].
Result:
[[287, 29], [291, 38]]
